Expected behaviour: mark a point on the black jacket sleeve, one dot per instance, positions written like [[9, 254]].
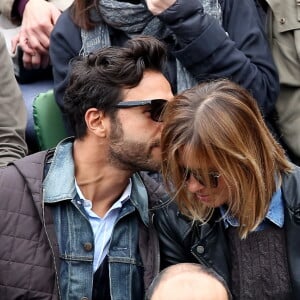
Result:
[[237, 49], [65, 44]]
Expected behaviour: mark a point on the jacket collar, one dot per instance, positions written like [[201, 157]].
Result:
[[139, 197], [275, 213], [59, 184]]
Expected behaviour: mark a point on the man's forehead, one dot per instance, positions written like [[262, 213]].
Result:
[[153, 85]]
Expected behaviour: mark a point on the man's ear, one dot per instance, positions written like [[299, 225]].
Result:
[[97, 122]]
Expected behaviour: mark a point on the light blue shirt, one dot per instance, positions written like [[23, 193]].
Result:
[[275, 213], [103, 227]]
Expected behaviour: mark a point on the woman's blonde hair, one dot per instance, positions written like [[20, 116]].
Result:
[[219, 124]]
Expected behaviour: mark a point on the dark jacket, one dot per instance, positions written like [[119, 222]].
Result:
[[238, 50], [183, 242], [29, 255]]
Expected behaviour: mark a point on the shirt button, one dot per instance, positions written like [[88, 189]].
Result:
[[282, 21], [87, 247], [200, 249]]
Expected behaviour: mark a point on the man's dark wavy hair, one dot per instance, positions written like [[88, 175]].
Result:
[[97, 80]]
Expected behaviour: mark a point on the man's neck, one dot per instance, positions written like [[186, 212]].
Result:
[[98, 180]]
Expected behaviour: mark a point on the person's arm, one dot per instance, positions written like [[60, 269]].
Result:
[[13, 115], [6, 8], [18, 9], [65, 44], [239, 50]]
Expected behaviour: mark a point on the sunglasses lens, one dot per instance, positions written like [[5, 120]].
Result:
[[213, 178], [157, 107], [197, 176]]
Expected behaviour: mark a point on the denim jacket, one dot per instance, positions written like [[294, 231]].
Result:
[[76, 240], [31, 261]]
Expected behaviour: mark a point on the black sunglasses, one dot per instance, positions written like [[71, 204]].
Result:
[[213, 177], [156, 107]]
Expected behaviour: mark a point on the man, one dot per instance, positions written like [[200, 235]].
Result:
[[188, 281], [75, 222], [12, 112]]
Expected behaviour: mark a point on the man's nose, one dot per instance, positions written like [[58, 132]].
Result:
[[160, 126]]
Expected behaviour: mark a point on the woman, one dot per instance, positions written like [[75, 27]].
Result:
[[238, 195], [205, 39]]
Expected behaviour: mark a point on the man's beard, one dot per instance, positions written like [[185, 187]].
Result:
[[128, 155]]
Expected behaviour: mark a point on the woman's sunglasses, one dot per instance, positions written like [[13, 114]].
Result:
[[212, 176], [156, 107]]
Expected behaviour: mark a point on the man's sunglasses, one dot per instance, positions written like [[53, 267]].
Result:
[[212, 176], [156, 107]]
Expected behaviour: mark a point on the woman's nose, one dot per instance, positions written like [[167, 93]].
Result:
[[194, 185]]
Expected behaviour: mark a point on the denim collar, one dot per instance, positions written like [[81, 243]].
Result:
[[139, 197], [275, 213], [59, 184]]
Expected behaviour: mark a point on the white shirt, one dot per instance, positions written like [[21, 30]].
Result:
[[103, 227]]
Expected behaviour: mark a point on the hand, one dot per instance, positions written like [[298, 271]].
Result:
[[35, 61], [38, 21], [159, 6]]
